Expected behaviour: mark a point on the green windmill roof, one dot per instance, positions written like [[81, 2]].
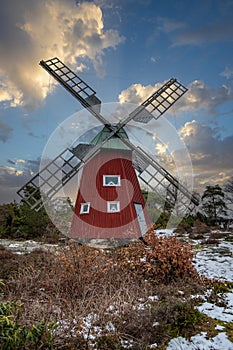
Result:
[[114, 142]]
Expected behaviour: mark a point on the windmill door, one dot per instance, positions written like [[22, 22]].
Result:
[[141, 217]]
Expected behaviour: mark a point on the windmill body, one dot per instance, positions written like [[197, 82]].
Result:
[[109, 201]]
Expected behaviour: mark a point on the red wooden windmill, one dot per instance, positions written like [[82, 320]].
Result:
[[109, 202]]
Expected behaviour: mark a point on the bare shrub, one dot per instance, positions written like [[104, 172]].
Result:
[[210, 241], [79, 283], [183, 228], [162, 259], [9, 262], [218, 235], [200, 228]]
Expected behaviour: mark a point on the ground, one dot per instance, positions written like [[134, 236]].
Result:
[[212, 306]]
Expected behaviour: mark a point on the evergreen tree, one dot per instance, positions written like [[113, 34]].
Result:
[[213, 203], [9, 214], [19, 220], [228, 188]]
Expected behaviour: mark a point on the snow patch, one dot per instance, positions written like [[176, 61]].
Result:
[[199, 341]]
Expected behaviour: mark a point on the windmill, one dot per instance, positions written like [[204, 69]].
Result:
[[110, 165]]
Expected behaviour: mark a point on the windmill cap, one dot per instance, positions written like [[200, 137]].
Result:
[[115, 141]]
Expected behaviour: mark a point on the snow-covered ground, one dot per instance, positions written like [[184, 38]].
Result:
[[212, 261], [200, 342], [216, 261], [22, 247]]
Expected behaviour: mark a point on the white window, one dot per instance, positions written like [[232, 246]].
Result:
[[85, 208], [111, 180], [113, 207]]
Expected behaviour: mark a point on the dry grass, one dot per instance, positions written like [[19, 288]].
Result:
[[102, 299]]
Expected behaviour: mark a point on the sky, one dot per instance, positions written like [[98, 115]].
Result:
[[124, 50]]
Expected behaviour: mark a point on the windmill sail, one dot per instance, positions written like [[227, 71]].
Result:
[[50, 180], [160, 180], [75, 85], [158, 103]]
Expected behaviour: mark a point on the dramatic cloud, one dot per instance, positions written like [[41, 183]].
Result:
[[43, 29], [137, 93], [211, 155], [5, 131], [201, 96], [198, 97], [19, 171], [16, 175]]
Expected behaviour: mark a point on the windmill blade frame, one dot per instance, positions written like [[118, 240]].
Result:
[[50, 179], [152, 108], [158, 103]]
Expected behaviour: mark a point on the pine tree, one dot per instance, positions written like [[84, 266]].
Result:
[[228, 188], [213, 203]]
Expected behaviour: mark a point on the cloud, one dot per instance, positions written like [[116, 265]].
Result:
[[15, 176], [199, 96], [32, 30], [153, 59], [221, 30], [16, 162], [168, 25], [137, 93], [21, 169], [5, 131], [211, 155], [227, 73], [11, 179]]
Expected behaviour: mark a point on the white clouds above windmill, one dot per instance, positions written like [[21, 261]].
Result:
[[211, 155], [45, 29], [199, 96]]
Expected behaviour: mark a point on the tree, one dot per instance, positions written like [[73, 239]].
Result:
[[19, 220], [228, 188], [213, 203], [9, 215]]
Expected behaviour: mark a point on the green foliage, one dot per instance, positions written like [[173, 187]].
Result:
[[31, 222], [184, 318], [162, 221], [19, 221], [191, 219], [229, 330], [154, 204], [15, 336], [9, 214], [213, 203]]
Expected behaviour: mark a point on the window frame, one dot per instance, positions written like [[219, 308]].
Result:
[[82, 208], [112, 185], [117, 207]]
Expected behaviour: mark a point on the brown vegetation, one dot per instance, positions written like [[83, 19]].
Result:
[[138, 295]]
